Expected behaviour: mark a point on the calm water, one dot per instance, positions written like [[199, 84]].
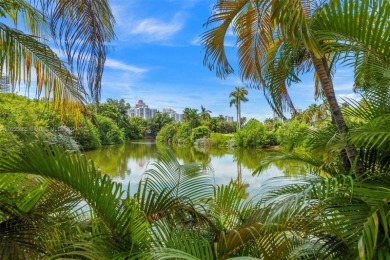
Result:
[[126, 163]]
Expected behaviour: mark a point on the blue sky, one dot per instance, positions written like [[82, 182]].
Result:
[[157, 57]]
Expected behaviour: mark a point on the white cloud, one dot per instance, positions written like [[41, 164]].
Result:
[[343, 86], [151, 29], [114, 64], [195, 41]]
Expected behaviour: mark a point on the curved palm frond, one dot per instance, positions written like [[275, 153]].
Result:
[[33, 19], [336, 211], [190, 241], [120, 215], [20, 53], [359, 29], [229, 206], [83, 28], [188, 181]]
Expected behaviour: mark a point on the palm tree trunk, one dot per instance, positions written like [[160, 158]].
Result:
[[238, 115], [239, 173], [321, 68]]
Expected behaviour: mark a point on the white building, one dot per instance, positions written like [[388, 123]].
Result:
[[229, 119], [142, 110], [5, 85], [172, 114]]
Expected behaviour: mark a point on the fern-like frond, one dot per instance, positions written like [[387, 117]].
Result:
[[83, 29], [106, 198], [20, 53]]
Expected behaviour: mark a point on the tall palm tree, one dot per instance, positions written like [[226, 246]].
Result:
[[204, 113], [191, 116], [315, 113], [238, 95], [279, 40], [81, 29]]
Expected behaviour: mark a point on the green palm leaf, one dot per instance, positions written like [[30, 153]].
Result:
[[83, 29], [106, 198], [19, 53]]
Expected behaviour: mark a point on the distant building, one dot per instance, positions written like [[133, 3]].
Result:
[[142, 110], [172, 114], [229, 119], [5, 85]]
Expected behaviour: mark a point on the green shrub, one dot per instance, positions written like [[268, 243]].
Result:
[[9, 142], [109, 132], [87, 135], [167, 133], [253, 134], [289, 131], [219, 140], [271, 138], [200, 132], [183, 135], [136, 128]]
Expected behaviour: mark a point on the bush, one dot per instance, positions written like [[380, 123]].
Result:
[[219, 140], [63, 137], [167, 133], [288, 133], [9, 142], [87, 135], [200, 132], [183, 135], [136, 128], [271, 138], [109, 132], [253, 134]]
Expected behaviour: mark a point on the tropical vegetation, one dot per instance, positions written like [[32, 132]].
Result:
[[55, 203], [238, 96], [280, 40], [81, 36]]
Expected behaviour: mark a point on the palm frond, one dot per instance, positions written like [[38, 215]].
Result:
[[352, 212], [83, 29], [213, 39], [189, 241], [105, 197], [19, 53], [190, 181], [33, 19], [358, 29]]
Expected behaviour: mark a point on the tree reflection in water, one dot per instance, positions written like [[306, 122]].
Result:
[[129, 161]]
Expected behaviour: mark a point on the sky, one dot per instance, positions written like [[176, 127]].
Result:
[[157, 57]]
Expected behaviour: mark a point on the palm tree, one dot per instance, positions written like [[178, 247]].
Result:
[[279, 40], [176, 212], [191, 116], [238, 95], [204, 113], [81, 29], [315, 113]]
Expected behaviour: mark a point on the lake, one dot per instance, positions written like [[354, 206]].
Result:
[[126, 163]]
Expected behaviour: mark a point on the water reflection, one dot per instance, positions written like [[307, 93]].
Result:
[[127, 162]]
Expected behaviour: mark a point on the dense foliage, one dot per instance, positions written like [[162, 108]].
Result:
[[22, 118], [54, 203], [200, 132], [251, 135]]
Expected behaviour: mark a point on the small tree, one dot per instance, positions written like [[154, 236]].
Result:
[[237, 96], [200, 132]]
